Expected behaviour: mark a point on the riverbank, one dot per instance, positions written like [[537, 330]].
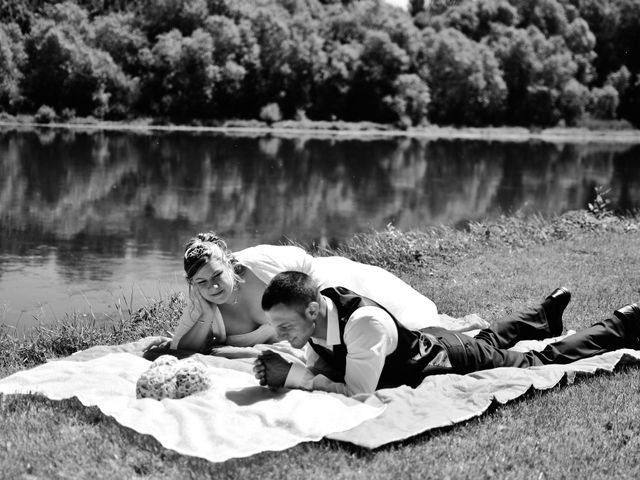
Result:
[[609, 132], [587, 430]]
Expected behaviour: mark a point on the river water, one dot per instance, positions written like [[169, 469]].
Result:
[[94, 222]]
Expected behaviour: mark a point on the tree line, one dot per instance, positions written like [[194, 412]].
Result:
[[448, 62]]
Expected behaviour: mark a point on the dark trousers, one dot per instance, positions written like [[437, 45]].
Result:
[[488, 348]]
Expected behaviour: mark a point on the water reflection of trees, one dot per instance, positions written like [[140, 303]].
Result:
[[108, 192]]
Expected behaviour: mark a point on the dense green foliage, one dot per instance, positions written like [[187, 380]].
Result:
[[471, 62]]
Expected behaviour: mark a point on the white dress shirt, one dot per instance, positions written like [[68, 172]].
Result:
[[370, 335]]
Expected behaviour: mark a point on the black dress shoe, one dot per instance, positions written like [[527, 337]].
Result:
[[631, 312], [554, 306], [630, 315], [562, 294]]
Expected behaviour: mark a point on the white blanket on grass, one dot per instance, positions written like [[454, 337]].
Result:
[[234, 418], [444, 400], [238, 418]]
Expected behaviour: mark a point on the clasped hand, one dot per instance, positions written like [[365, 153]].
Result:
[[271, 369]]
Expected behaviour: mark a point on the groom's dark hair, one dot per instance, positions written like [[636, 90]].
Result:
[[293, 289]]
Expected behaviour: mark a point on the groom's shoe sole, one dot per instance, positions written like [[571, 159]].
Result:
[[631, 312], [560, 298]]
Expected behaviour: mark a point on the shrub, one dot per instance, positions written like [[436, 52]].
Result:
[[465, 81], [604, 102], [161, 16], [539, 106], [574, 97], [182, 77], [12, 58], [45, 114], [270, 113], [7, 117], [119, 35], [410, 103], [63, 68], [67, 114], [630, 103], [619, 80]]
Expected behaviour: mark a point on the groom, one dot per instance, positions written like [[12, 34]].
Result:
[[356, 346]]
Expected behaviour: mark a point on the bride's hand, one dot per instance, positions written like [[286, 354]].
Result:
[[212, 346], [158, 342], [199, 305]]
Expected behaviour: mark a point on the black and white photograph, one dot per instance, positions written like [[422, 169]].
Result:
[[329, 239]]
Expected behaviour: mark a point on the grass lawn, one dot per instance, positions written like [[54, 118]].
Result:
[[590, 429]]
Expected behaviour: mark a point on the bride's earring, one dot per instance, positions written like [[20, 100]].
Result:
[[236, 288]]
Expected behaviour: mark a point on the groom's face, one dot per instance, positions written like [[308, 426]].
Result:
[[291, 324]]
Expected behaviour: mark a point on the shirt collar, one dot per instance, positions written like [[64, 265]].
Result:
[[333, 327]]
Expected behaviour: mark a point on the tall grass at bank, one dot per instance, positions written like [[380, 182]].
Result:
[[401, 252], [589, 430], [63, 337]]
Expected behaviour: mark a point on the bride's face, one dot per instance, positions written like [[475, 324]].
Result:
[[215, 282]]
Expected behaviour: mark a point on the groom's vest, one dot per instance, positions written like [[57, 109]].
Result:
[[418, 353]]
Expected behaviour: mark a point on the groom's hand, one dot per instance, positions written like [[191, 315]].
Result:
[[271, 369]]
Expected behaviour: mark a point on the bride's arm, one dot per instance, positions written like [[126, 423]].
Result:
[[192, 338], [195, 329]]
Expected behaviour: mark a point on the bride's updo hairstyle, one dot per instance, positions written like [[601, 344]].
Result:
[[204, 247]]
